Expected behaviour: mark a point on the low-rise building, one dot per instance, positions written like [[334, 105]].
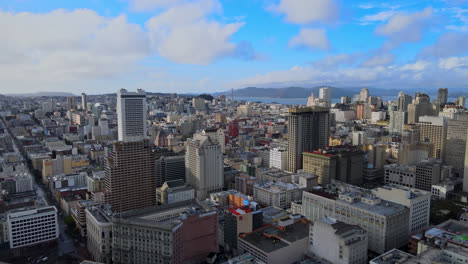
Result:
[[284, 244], [31, 226], [338, 242], [173, 192], [278, 194]]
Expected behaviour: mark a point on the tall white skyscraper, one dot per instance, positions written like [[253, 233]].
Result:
[[84, 101], [131, 115], [325, 95], [204, 166]]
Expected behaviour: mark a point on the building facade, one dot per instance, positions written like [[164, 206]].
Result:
[[131, 115]]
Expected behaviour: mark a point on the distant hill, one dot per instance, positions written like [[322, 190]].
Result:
[[337, 92], [300, 92]]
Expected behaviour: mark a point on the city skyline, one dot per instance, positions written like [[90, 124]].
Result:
[[213, 46]]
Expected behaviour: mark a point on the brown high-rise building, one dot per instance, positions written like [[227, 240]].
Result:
[[130, 181], [307, 131]]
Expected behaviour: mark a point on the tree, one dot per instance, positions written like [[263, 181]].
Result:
[[206, 97]]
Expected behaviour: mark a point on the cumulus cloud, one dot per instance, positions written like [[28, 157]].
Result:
[[379, 60], [183, 34], [306, 11], [148, 5], [68, 45], [338, 60], [448, 44], [404, 27], [311, 38], [380, 17]]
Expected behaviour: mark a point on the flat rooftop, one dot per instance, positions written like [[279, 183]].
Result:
[[393, 256], [270, 238]]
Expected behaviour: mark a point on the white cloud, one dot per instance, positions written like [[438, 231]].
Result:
[[379, 60], [404, 27], [381, 16], [68, 45], [183, 34], [306, 11], [342, 59], [453, 63], [448, 44], [148, 5], [419, 65], [311, 38]]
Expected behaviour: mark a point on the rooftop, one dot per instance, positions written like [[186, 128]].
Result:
[[273, 186], [163, 216], [270, 238], [393, 256]]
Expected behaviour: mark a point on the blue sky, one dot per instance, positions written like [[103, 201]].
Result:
[[98, 46]]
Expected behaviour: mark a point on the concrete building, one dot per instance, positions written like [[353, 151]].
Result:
[[284, 244], [421, 106], [244, 111], [238, 220], [403, 101], [27, 227], [217, 136], [278, 158], [413, 153], [204, 166], [456, 144], [386, 222], [377, 156], [71, 103], [364, 95], [277, 194], [442, 95], [99, 236], [78, 212], [130, 181], [398, 120], [343, 163], [392, 257], [131, 115], [418, 203], [183, 232], [460, 101], [198, 103], [174, 191], [338, 242], [325, 94], [434, 130], [345, 100], [465, 176], [170, 169], [429, 172], [307, 131], [359, 138], [84, 101], [402, 175]]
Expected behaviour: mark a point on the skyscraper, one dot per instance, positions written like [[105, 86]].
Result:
[[325, 95], [398, 120], [84, 101], [442, 95], [465, 176], [70, 103], [434, 130], [364, 95], [204, 166], [130, 181], [131, 115], [460, 101], [456, 144], [421, 106], [403, 101], [307, 131], [170, 169]]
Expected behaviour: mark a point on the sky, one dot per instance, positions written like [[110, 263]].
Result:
[[203, 46]]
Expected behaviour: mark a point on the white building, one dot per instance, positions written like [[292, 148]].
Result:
[[198, 103], [279, 194], [359, 138], [99, 233], [278, 158], [28, 227], [325, 95], [204, 168], [418, 202], [24, 182], [131, 115], [173, 192], [377, 116], [397, 122], [217, 136], [338, 242]]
